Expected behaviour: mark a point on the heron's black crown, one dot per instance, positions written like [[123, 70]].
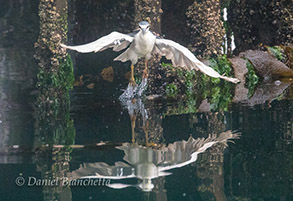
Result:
[[143, 23]]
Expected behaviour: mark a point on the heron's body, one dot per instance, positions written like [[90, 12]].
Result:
[[143, 44]]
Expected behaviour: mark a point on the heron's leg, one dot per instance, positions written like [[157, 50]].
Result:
[[145, 129], [145, 71], [133, 119], [132, 80]]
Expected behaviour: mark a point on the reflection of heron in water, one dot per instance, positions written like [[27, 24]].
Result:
[[136, 107], [143, 44], [147, 162]]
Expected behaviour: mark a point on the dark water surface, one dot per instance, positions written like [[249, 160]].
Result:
[[162, 149]]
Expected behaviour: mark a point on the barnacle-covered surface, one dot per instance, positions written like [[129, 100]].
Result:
[[256, 23], [149, 10], [207, 31], [53, 124], [55, 76]]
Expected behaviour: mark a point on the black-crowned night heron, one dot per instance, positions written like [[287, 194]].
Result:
[[143, 44]]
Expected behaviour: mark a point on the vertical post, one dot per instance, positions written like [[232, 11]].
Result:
[[55, 78], [207, 31], [151, 11]]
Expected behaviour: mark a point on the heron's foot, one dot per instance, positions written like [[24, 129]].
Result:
[[132, 82], [145, 73]]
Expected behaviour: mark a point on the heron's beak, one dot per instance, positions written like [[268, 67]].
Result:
[[144, 30]]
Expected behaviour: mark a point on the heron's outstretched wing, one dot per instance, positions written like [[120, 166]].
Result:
[[182, 57], [115, 40]]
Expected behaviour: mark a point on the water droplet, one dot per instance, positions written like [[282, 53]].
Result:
[[277, 82]]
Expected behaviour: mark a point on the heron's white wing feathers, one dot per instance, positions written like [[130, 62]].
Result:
[[115, 40], [182, 57]]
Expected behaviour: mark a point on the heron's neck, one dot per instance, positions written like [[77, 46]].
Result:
[[145, 35]]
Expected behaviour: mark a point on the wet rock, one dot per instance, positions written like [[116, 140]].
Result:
[[204, 106], [266, 65], [240, 70], [239, 67], [108, 74], [266, 91]]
